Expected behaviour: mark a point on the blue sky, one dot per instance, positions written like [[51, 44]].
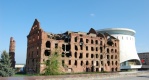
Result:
[[57, 16]]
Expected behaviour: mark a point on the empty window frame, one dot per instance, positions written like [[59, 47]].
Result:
[[87, 40], [69, 62], [92, 42], [87, 55]]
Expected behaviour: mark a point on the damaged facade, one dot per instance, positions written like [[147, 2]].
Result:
[[80, 52]]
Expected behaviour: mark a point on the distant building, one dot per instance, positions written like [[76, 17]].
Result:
[[19, 68], [12, 52], [128, 55], [144, 57], [80, 51]]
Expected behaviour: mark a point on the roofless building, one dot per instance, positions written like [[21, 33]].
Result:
[[80, 51]]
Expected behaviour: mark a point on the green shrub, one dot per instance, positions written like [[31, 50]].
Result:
[[53, 64]]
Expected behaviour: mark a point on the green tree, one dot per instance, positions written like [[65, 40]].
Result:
[[5, 65], [53, 64]]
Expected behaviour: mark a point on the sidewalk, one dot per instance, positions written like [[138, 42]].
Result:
[[79, 76]]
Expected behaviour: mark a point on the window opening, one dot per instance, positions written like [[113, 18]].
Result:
[[87, 40], [47, 52], [87, 48], [87, 55], [92, 42], [68, 54], [81, 63], [92, 55], [56, 45], [81, 55], [75, 62], [48, 44], [69, 62], [75, 54], [76, 39], [92, 48], [96, 41], [76, 48]]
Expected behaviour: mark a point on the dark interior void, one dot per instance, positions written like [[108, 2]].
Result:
[[67, 39], [63, 47], [81, 55], [48, 44], [47, 52], [110, 43], [76, 48], [81, 39], [131, 62], [68, 47], [68, 54]]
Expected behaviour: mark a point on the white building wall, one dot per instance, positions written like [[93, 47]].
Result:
[[127, 45]]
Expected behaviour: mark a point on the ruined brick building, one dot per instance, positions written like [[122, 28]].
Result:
[[12, 52], [80, 52]]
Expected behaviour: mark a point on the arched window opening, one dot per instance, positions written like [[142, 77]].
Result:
[[75, 54], [96, 41], [87, 55], [115, 56], [68, 54], [48, 44], [112, 63], [100, 42], [112, 50], [87, 63], [111, 56], [107, 50], [108, 62], [107, 56], [112, 69], [47, 52], [92, 42], [96, 48], [76, 48], [69, 62], [75, 39], [92, 48], [115, 50], [101, 57], [81, 39], [116, 63], [115, 69], [101, 49], [87, 48], [96, 55], [97, 63], [75, 63], [87, 40], [63, 54], [92, 55], [81, 63], [81, 55]]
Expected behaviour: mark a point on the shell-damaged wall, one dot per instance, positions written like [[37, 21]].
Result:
[[79, 51]]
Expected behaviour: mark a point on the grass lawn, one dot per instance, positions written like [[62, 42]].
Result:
[[22, 75]]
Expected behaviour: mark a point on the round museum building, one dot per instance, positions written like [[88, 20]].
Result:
[[128, 55]]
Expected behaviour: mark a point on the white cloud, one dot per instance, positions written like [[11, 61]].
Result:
[[92, 15]]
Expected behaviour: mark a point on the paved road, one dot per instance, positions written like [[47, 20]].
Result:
[[139, 77], [129, 78]]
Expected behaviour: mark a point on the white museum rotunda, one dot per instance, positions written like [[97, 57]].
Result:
[[129, 58]]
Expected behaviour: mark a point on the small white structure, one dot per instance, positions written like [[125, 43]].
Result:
[[128, 55], [19, 67]]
